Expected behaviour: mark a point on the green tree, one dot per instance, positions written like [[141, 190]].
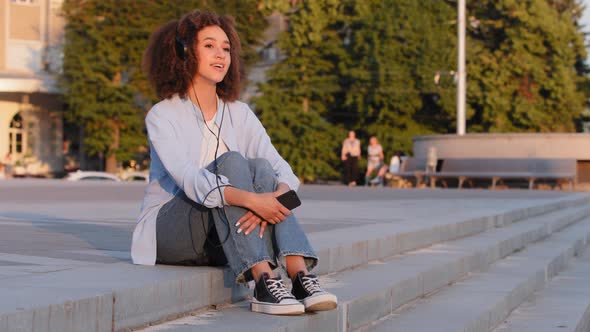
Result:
[[371, 65], [300, 91], [104, 87], [100, 38], [525, 66], [395, 50]]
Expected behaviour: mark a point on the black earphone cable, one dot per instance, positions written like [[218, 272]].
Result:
[[217, 177], [181, 50]]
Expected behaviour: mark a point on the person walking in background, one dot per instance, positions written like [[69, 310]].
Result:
[[215, 175], [374, 158], [351, 151]]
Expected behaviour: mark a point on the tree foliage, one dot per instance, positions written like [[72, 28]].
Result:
[[396, 47], [300, 90], [525, 67], [106, 92], [97, 71], [362, 65], [370, 66]]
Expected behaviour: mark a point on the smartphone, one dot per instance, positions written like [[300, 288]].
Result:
[[289, 199]]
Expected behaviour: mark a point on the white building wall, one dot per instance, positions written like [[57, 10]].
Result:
[[31, 47]]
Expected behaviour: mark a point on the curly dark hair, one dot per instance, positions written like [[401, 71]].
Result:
[[169, 74]]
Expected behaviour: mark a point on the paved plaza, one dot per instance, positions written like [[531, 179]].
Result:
[[80, 223], [65, 241]]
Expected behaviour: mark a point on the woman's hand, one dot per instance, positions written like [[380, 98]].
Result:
[[249, 221], [264, 208]]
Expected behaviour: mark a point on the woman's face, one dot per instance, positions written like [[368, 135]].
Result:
[[373, 141], [213, 52]]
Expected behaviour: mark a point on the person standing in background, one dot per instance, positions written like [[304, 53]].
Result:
[[374, 157], [351, 151]]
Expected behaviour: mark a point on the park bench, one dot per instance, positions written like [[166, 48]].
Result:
[[498, 169]]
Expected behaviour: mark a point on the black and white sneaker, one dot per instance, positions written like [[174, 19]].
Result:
[[271, 297], [306, 288]]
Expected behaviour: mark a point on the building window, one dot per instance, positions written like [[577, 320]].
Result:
[[15, 135], [17, 122]]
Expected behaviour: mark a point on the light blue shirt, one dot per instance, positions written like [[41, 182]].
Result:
[[175, 131]]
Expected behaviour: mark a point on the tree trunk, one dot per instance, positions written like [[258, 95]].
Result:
[[81, 152], [111, 164]]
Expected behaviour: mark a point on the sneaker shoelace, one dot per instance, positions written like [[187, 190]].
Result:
[[311, 285], [278, 290]]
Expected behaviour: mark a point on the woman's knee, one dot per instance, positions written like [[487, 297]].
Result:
[[262, 166], [235, 168], [231, 159], [264, 176]]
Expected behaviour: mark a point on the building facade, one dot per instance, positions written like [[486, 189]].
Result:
[[31, 110]]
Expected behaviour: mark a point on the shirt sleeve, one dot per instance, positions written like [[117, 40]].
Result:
[[199, 184], [260, 146]]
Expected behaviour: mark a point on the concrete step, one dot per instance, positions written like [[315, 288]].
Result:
[[374, 290], [482, 301], [125, 296], [342, 249], [564, 305]]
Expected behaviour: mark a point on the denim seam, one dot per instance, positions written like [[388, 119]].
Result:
[[244, 264], [306, 254], [282, 260], [220, 163], [245, 267]]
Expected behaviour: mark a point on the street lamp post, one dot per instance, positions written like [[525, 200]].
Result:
[[461, 68]]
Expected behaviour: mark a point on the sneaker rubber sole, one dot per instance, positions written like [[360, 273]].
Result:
[[277, 309], [320, 302]]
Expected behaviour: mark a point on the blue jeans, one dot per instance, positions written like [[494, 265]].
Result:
[[184, 228]]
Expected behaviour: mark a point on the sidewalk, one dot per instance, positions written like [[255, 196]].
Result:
[[64, 247]]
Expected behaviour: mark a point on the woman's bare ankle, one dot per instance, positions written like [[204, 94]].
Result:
[[260, 268], [295, 264]]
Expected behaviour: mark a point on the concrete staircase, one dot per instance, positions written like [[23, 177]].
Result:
[[443, 273], [563, 305], [467, 275]]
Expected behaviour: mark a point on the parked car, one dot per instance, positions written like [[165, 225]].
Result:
[[136, 176], [91, 176]]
